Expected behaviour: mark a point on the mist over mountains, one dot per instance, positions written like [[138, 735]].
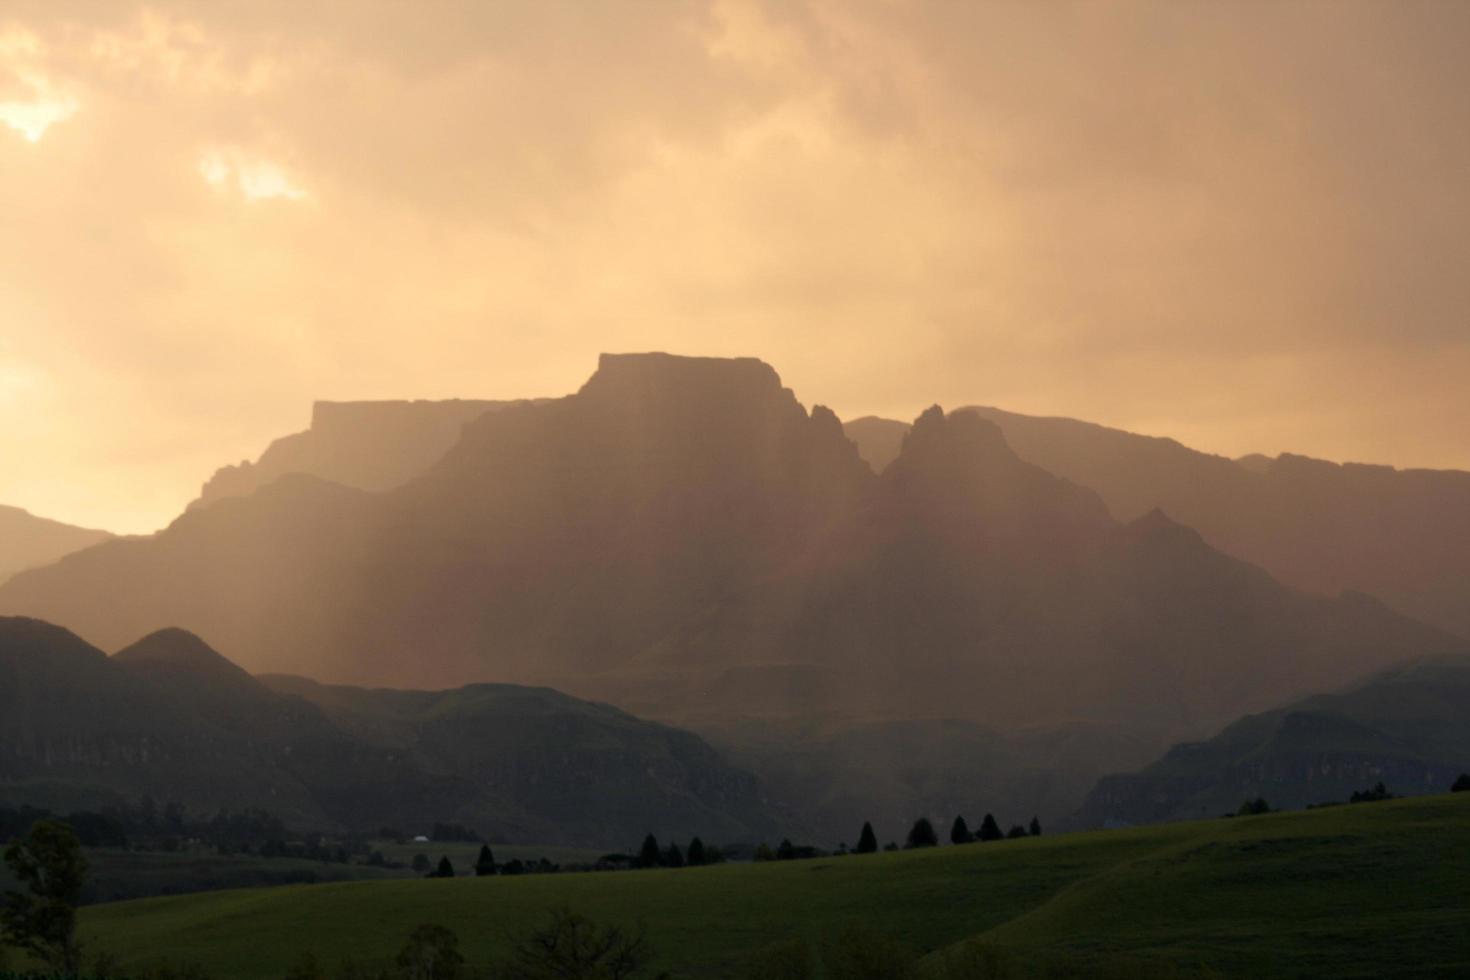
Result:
[[1402, 536], [27, 541], [682, 537], [997, 611]]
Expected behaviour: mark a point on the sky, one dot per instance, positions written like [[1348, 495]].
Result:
[[1245, 225]]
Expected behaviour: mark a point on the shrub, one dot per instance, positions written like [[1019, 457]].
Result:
[[572, 947], [1462, 784]]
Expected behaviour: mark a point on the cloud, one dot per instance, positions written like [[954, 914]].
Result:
[[1246, 225]]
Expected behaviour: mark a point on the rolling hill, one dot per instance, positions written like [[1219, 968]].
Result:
[[1407, 728], [1364, 891], [169, 718]]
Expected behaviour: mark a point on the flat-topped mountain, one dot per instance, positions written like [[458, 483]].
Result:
[[1400, 535], [27, 541], [683, 538], [170, 718], [1407, 728], [371, 445]]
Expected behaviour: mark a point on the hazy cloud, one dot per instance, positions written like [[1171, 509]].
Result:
[[1245, 225]]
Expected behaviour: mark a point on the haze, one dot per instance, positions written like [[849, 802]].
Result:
[[1243, 225]]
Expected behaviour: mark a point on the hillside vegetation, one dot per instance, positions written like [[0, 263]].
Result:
[[1375, 890]]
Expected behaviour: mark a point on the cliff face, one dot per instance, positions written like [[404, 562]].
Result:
[[27, 541], [367, 445]]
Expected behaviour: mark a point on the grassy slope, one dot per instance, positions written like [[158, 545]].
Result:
[[1370, 890]]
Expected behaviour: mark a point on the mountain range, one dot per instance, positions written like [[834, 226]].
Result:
[[1402, 536], [27, 541], [170, 718]]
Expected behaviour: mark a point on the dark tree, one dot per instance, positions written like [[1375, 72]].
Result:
[[989, 829], [1016, 832], [1255, 807], [485, 863], [960, 832], [431, 953], [42, 920], [867, 840], [891, 846], [1378, 792], [1035, 827], [1462, 784], [785, 851], [673, 857], [445, 869], [695, 857], [764, 853], [649, 855], [572, 946], [922, 834], [421, 864]]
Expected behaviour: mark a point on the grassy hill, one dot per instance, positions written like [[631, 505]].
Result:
[[1372, 890]]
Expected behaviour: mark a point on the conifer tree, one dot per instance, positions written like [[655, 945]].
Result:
[[695, 857], [649, 855], [485, 863], [960, 832], [922, 834], [989, 829], [1035, 827], [867, 840]]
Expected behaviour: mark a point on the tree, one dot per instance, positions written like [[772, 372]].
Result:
[[1251, 808], [485, 863], [695, 857], [421, 864], [431, 953], [49, 862], [989, 829], [673, 857], [649, 855], [764, 853], [445, 869], [1462, 784], [785, 851], [1016, 832], [1035, 827], [922, 834], [867, 840], [960, 832], [572, 947]]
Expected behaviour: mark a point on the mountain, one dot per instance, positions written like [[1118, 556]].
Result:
[[879, 440], [368, 445], [681, 537], [170, 718], [1406, 727], [1400, 535], [27, 541]]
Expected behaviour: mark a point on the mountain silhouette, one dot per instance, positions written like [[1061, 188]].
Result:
[[1400, 535], [168, 717], [27, 541], [368, 445], [681, 537]]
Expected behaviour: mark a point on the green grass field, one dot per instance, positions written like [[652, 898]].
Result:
[[1375, 890]]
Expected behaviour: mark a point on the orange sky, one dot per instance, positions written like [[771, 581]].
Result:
[[1246, 225]]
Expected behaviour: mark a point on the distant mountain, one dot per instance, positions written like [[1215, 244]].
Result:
[[373, 445], [27, 541], [879, 441], [170, 718], [1407, 728], [1400, 535], [683, 538]]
